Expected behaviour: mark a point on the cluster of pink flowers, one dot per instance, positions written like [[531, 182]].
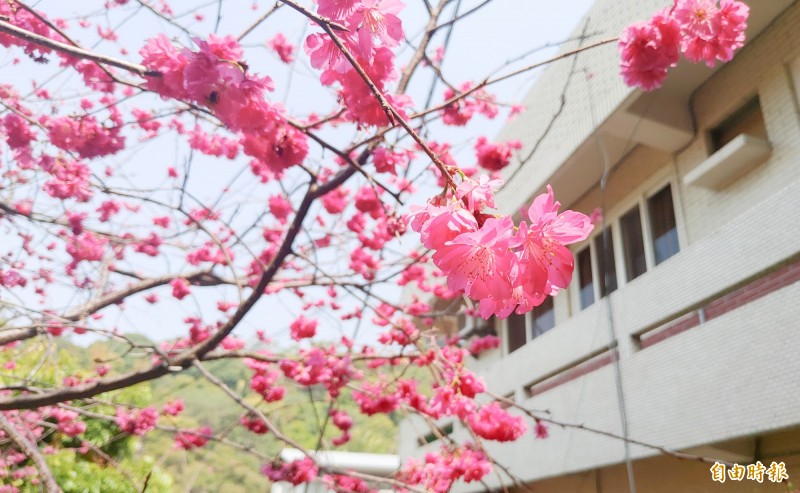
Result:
[[254, 424], [460, 112], [480, 344], [303, 328], [376, 398], [191, 439], [85, 135], [212, 144], [282, 47], [438, 471], [703, 30], [215, 76], [454, 394], [85, 246], [320, 366], [12, 278], [505, 268], [495, 157], [37, 22], [137, 422], [492, 422], [68, 179], [295, 472], [68, 422], [343, 422], [374, 29], [180, 288], [264, 380], [346, 484], [173, 408]]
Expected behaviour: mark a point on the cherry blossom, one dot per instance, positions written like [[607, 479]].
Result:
[[703, 30], [282, 47], [649, 49]]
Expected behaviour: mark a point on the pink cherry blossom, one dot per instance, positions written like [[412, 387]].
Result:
[[377, 20], [137, 422], [648, 50], [173, 408], [480, 262], [295, 472], [479, 193], [254, 424], [279, 207], [337, 9], [709, 32], [303, 328], [191, 439], [495, 423], [282, 47], [547, 261], [439, 224], [159, 54], [495, 157], [180, 288]]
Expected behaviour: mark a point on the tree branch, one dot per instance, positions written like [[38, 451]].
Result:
[[32, 451], [13, 30]]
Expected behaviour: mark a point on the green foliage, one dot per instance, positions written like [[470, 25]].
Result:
[[110, 463], [302, 415], [75, 474]]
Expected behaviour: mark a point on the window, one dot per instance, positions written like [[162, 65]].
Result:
[[633, 244], [521, 329], [543, 318], [596, 269], [585, 284], [662, 225], [515, 332], [746, 120], [644, 236], [606, 264], [737, 144]]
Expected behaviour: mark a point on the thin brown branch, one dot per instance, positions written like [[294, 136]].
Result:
[[465, 14], [200, 278], [15, 31], [490, 81], [61, 33], [258, 21], [392, 114], [8, 336], [345, 157], [163, 17], [419, 54], [322, 21], [186, 359], [250, 408], [32, 451]]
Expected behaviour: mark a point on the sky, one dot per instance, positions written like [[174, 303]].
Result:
[[480, 44]]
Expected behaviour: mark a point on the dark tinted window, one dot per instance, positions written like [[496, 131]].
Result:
[[516, 332], [662, 224], [606, 265], [633, 244], [585, 278], [543, 317]]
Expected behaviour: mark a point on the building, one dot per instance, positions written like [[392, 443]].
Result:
[[374, 465], [682, 325]]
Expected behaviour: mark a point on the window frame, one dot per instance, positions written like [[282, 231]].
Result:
[[641, 197], [528, 329]]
